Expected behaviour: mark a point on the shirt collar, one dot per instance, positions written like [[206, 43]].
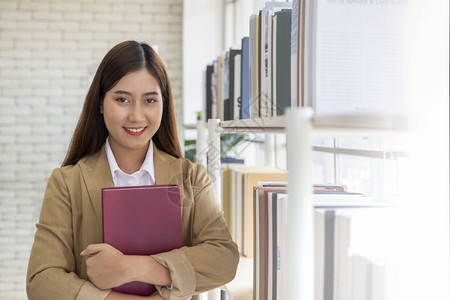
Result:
[[147, 165]]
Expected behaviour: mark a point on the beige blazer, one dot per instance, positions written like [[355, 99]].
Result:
[[71, 219]]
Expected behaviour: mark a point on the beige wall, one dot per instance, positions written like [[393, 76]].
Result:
[[48, 49]]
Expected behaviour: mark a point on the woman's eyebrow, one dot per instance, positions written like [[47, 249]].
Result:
[[121, 92], [151, 93]]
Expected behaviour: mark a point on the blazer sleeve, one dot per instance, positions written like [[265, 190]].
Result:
[[51, 270], [212, 258]]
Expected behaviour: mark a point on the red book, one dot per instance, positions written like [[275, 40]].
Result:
[[142, 220]]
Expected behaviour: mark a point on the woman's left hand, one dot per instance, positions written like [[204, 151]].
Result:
[[106, 266]]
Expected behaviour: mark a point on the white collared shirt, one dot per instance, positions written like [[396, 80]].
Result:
[[145, 175]]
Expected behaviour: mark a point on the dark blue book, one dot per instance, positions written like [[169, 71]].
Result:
[[282, 61]]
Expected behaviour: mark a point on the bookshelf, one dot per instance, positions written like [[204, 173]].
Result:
[[300, 125], [327, 125], [350, 99]]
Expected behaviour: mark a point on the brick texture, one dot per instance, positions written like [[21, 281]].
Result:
[[48, 50]]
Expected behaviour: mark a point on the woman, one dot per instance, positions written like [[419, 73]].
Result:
[[126, 135]]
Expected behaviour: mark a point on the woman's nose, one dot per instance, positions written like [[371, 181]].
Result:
[[136, 113]]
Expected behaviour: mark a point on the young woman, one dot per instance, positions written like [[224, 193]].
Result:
[[126, 135]]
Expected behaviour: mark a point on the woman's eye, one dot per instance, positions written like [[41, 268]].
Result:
[[150, 100], [122, 100]]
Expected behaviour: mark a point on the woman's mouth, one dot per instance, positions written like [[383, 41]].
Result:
[[135, 131]]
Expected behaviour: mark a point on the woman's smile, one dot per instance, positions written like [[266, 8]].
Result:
[[135, 131]]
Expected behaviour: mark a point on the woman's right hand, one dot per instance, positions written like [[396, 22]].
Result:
[[106, 266]]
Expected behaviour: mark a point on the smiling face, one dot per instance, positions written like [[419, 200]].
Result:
[[132, 111]]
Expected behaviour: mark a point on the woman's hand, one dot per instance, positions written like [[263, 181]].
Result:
[[106, 266]]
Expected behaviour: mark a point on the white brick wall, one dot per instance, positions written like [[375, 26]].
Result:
[[47, 50]]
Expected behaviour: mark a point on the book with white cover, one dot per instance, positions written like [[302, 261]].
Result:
[[363, 57]]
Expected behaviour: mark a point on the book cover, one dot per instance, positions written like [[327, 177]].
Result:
[[209, 92], [295, 53], [260, 238], [260, 242], [363, 62], [142, 220], [221, 85], [282, 63], [306, 45], [271, 241], [319, 253], [279, 208], [237, 86], [256, 241], [232, 91], [234, 202], [250, 179], [342, 263], [245, 80], [253, 66], [214, 89], [264, 92], [302, 20], [226, 82]]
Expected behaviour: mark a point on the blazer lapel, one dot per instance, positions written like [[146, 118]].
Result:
[[168, 169], [97, 175]]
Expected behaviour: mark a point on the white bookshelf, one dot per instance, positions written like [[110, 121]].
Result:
[[425, 92], [300, 125], [265, 125], [353, 125]]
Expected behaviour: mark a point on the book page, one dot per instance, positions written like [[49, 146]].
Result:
[[363, 56]]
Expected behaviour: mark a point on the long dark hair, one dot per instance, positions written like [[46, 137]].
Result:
[[91, 133]]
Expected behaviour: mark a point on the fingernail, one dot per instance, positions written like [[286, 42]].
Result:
[[82, 253]]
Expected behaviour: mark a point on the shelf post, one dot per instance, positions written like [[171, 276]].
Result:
[[269, 152], [214, 156], [201, 146], [299, 262]]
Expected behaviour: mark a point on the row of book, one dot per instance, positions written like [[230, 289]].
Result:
[[254, 204], [238, 198], [254, 79], [320, 54], [343, 269]]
